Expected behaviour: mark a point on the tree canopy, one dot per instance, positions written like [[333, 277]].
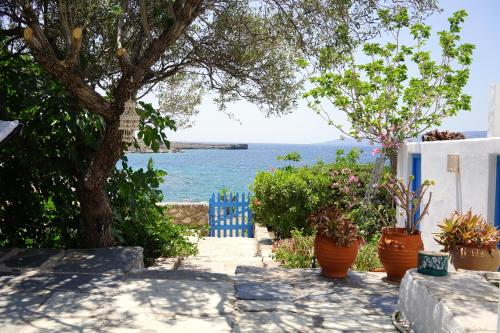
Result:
[[402, 90]]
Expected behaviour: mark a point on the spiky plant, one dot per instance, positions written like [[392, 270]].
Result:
[[409, 201], [442, 136], [467, 230], [332, 222]]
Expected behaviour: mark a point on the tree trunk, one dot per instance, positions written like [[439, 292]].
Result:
[[393, 159], [377, 172], [95, 209], [96, 216]]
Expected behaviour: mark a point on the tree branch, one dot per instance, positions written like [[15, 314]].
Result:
[[44, 54], [72, 58]]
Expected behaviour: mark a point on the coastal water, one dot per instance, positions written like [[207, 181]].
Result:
[[194, 174]]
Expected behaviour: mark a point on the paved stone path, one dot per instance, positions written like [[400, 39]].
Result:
[[229, 287]]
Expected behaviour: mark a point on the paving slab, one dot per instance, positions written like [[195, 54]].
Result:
[[266, 291], [180, 297], [103, 261], [61, 281], [22, 259], [180, 274], [301, 300], [177, 324]]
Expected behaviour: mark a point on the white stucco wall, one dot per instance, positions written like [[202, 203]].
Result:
[[473, 187]]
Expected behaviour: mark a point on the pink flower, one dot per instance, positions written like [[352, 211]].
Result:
[[375, 151], [353, 179]]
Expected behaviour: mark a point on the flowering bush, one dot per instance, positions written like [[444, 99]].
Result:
[[295, 252], [283, 199]]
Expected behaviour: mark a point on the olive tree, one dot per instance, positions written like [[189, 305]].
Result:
[[107, 53], [402, 90]]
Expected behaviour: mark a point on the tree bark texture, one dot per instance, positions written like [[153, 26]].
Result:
[[96, 217], [95, 209], [393, 159]]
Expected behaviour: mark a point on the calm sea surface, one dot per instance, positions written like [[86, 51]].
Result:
[[194, 174]]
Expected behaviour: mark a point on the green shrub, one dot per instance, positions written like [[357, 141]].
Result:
[[367, 218], [295, 252], [293, 156], [285, 198], [137, 218], [367, 259]]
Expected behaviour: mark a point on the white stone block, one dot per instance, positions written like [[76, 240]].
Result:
[[494, 112], [459, 302]]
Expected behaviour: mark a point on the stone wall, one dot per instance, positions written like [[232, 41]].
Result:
[[187, 212]]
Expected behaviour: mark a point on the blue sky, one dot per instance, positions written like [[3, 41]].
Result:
[[481, 28]]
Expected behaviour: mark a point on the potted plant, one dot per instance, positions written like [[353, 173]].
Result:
[[471, 241], [398, 247], [336, 243]]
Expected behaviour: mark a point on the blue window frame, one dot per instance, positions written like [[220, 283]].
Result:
[[416, 172]]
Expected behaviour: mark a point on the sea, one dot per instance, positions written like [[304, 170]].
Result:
[[193, 175]]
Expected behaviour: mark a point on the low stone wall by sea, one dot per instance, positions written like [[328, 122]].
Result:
[[194, 213]]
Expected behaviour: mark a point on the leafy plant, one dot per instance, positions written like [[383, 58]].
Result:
[[293, 156], [380, 99], [409, 201], [333, 223], [370, 217], [442, 136], [137, 218], [367, 258], [295, 252], [467, 230]]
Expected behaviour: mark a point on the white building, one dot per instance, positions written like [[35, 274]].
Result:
[[472, 183]]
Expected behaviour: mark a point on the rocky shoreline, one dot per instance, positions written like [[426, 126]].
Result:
[[176, 147]]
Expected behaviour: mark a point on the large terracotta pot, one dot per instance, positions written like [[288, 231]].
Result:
[[476, 259], [334, 260], [398, 252]]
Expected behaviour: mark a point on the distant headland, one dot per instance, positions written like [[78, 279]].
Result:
[[176, 147]]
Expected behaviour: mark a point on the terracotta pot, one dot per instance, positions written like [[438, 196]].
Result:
[[334, 260], [398, 252], [476, 259]]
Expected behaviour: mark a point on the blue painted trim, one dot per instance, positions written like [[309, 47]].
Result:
[[497, 195], [416, 172]]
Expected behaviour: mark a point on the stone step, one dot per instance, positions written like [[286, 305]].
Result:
[[180, 274], [213, 264]]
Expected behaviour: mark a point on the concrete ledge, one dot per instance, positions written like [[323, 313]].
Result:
[[459, 302], [114, 260]]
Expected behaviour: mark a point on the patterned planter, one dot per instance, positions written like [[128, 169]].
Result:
[[432, 263]]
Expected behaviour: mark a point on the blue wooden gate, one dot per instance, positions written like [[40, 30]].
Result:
[[230, 216]]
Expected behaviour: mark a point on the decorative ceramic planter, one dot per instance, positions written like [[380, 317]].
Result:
[[476, 259], [398, 252], [334, 260], [433, 263]]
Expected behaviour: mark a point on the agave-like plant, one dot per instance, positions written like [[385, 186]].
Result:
[[467, 230], [333, 223], [409, 201]]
